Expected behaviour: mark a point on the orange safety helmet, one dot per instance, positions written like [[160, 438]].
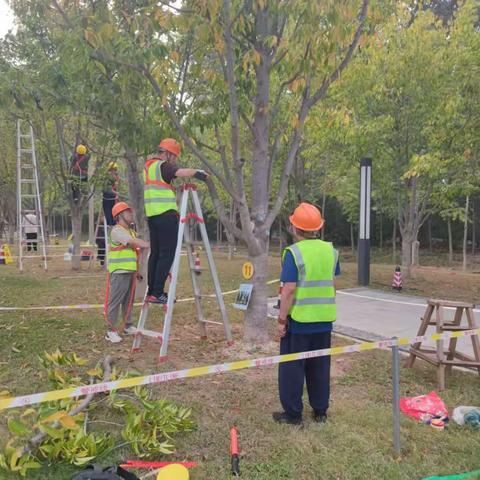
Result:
[[119, 207], [307, 217], [170, 145]]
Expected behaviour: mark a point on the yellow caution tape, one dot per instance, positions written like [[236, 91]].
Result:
[[85, 306], [73, 392]]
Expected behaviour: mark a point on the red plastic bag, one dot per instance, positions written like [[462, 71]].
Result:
[[424, 407]]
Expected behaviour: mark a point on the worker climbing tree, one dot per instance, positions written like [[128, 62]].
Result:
[[79, 172]]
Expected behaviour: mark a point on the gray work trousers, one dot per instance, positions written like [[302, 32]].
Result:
[[121, 293]]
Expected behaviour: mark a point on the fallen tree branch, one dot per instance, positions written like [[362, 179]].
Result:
[[37, 439]]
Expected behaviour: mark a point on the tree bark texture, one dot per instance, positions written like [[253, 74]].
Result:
[[465, 234], [450, 242], [135, 191], [77, 217]]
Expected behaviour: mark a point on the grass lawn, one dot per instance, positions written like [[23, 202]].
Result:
[[354, 444]]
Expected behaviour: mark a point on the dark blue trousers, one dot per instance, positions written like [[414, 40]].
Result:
[[316, 372]]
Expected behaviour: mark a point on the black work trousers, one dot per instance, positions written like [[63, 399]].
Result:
[[316, 372], [108, 202], [163, 243]]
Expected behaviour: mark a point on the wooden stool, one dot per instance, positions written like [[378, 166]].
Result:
[[447, 358]]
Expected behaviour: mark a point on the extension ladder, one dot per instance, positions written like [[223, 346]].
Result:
[[28, 194], [185, 237]]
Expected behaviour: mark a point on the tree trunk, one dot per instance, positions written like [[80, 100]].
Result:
[[465, 234], [135, 191], [77, 217], [255, 324], [91, 221], [11, 232], [406, 254], [324, 199], [474, 225], [352, 239], [450, 243], [381, 231], [230, 236], [394, 241], [280, 234], [430, 234]]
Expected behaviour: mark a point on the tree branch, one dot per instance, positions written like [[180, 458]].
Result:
[[322, 91], [220, 209], [289, 162], [37, 439], [223, 155], [188, 141]]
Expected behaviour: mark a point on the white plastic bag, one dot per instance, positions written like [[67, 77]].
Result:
[[460, 412]]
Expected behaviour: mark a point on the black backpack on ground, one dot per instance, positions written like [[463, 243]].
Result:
[[96, 472]]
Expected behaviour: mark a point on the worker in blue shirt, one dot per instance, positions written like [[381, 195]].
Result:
[[307, 312]]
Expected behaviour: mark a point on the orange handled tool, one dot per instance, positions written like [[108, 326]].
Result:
[[234, 452]]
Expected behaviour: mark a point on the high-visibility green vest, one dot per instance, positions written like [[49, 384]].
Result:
[[314, 299], [121, 257], [158, 195]]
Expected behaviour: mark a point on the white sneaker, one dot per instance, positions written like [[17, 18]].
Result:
[[113, 337], [130, 330]]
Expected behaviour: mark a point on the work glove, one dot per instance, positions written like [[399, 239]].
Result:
[[201, 175]]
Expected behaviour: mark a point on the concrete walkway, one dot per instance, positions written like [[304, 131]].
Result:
[[372, 315]]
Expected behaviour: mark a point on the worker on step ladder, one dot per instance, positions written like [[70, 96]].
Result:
[[162, 213], [123, 272]]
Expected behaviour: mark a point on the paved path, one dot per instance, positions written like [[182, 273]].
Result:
[[373, 314]]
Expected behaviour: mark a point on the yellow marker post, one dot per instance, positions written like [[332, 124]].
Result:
[[174, 472], [248, 270], [7, 255]]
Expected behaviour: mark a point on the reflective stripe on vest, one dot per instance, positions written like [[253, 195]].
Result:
[[158, 195], [121, 257], [314, 299]]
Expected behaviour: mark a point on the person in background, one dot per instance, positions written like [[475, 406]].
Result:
[[79, 171], [124, 248], [162, 213], [307, 312], [110, 192], [30, 226]]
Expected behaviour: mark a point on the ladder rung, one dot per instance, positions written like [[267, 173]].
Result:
[[210, 321], [28, 195], [456, 328], [149, 333], [24, 135], [28, 211], [27, 180], [26, 150], [27, 165]]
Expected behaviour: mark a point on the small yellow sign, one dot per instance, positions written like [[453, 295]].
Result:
[[248, 270], [7, 256]]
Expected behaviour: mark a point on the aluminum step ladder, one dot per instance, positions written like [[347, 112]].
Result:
[[28, 193], [188, 190], [101, 223]]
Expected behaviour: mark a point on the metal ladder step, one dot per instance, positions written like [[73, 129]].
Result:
[[149, 333]]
